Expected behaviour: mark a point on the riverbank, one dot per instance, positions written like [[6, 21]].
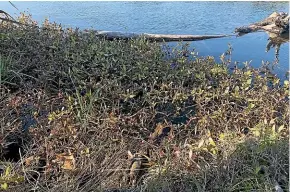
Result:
[[74, 104]]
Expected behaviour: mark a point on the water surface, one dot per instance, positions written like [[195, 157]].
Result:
[[172, 18]]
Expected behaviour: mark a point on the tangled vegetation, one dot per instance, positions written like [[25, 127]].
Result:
[[73, 105]]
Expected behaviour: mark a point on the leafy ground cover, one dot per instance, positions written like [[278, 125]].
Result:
[[80, 113]]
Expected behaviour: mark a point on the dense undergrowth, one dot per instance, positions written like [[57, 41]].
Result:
[[73, 105]]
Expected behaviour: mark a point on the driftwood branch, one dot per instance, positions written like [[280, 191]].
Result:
[[277, 23], [110, 35]]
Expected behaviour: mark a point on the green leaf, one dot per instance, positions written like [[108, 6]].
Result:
[[211, 142], [257, 169], [222, 136], [214, 151], [4, 186], [256, 132], [7, 171], [251, 105], [248, 73], [276, 81], [281, 128], [227, 90], [265, 88], [237, 88], [274, 129]]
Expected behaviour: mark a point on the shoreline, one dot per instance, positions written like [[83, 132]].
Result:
[[79, 112]]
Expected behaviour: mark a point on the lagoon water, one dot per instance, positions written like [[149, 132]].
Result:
[[195, 18]]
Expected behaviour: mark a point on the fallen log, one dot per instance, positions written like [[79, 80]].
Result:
[[111, 35], [276, 23]]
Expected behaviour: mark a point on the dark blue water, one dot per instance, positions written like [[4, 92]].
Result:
[[172, 18]]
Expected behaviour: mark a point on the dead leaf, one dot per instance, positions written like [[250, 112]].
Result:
[[130, 155], [177, 153], [67, 161], [190, 153], [272, 122], [161, 131], [113, 120], [29, 160], [157, 131], [200, 143]]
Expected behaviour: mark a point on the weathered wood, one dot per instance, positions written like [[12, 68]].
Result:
[[276, 23], [110, 35]]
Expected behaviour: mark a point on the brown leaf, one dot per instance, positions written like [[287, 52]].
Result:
[[67, 161], [29, 160], [161, 131]]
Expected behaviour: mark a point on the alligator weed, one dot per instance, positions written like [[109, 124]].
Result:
[[73, 104]]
